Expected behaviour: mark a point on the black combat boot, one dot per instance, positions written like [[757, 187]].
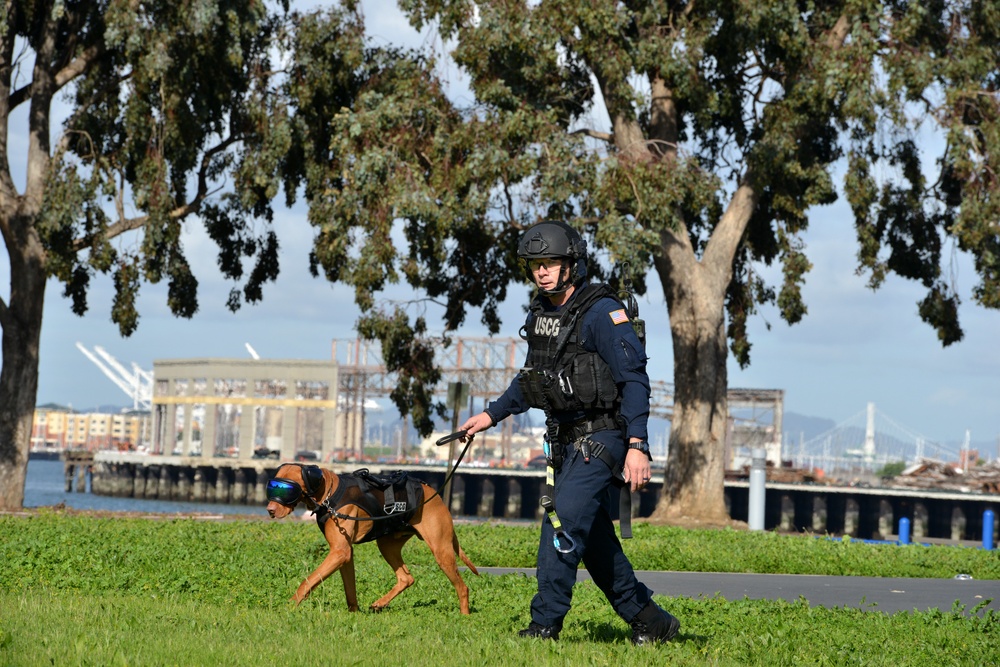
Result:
[[541, 631], [652, 625]]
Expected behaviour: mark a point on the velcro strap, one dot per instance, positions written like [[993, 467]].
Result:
[[625, 512], [390, 501]]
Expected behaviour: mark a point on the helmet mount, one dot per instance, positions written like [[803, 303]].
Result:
[[536, 245]]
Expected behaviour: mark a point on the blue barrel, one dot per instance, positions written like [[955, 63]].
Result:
[[988, 529], [904, 531]]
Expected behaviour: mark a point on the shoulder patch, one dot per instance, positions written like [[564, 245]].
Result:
[[618, 316]]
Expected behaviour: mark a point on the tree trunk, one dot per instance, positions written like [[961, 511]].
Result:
[[693, 480], [22, 328], [695, 290]]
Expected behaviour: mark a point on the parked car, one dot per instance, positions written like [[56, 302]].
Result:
[[537, 463]]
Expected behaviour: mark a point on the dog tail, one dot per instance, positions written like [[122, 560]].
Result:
[[461, 554]]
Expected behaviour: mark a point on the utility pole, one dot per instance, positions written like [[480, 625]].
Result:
[[458, 394]]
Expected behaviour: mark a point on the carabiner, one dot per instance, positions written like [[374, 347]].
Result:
[[563, 543]]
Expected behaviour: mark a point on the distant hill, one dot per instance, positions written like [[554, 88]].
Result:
[[798, 427], [106, 409]]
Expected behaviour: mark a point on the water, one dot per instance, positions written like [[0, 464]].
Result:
[[45, 485]]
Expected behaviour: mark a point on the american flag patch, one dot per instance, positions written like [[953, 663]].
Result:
[[619, 316]]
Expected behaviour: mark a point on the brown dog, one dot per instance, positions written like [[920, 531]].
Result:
[[346, 525]]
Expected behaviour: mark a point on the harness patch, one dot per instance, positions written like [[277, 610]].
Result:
[[619, 316]]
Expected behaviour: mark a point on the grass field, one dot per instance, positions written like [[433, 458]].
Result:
[[80, 590]]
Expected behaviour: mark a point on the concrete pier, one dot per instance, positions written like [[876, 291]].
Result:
[[77, 467], [860, 512]]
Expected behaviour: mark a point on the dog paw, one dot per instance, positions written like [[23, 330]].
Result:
[[377, 608]]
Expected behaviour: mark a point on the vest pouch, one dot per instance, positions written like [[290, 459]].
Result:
[[543, 389], [593, 384], [607, 388], [530, 381], [584, 379]]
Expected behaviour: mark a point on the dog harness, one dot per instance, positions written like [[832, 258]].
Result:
[[390, 501]]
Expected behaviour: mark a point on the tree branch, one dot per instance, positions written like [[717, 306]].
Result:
[[78, 66], [129, 224], [594, 134], [8, 190], [39, 116], [838, 33], [728, 234]]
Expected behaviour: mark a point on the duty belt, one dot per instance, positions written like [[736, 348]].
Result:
[[573, 431]]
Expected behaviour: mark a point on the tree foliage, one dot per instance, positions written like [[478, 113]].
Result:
[[141, 117], [694, 139], [690, 140]]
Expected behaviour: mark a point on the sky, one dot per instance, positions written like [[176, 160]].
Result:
[[854, 346]]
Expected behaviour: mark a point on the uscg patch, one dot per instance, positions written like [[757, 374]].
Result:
[[619, 316]]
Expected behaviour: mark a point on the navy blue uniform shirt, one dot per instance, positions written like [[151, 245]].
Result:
[[619, 347]]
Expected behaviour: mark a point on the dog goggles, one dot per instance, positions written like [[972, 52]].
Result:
[[284, 491]]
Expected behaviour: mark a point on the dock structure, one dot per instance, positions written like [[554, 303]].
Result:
[[485, 492], [77, 468], [514, 493]]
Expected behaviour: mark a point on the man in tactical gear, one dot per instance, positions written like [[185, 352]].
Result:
[[586, 369]]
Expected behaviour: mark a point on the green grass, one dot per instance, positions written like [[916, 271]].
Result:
[[76, 590]]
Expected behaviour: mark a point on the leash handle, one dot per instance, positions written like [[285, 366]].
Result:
[[457, 435]]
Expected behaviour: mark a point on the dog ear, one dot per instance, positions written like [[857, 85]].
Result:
[[313, 478]]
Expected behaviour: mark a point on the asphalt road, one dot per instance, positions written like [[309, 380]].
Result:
[[883, 594]]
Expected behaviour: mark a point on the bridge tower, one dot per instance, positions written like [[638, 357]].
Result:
[[868, 453]]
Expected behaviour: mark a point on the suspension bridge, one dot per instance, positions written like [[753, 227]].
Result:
[[868, 440]]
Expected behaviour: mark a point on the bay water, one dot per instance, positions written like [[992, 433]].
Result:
[[45, 486]]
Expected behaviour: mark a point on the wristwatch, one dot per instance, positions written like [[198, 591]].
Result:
[[642, 446]]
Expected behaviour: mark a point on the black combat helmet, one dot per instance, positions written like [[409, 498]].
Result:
[[554, 238]]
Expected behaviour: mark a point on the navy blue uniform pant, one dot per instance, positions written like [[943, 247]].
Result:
[[583, 507]]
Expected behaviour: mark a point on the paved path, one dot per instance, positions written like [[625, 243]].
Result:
[[868, 593]]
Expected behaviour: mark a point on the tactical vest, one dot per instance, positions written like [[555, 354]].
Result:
[[562, 376]]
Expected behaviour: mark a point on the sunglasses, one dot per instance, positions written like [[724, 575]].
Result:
[[284, 491], [550, 263]]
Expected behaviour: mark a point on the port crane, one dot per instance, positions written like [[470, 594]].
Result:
[[137, 383]]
